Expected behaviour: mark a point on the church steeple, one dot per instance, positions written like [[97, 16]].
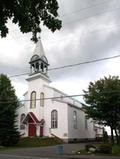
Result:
[[38, 62], [39, 50]]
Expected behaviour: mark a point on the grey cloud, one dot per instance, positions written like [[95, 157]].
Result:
[[96, 44], [76, 42]]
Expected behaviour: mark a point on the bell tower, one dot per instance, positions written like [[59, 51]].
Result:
[[38, 62]]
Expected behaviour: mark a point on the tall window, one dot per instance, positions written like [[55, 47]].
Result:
[[75, 120], [42, 99], [33, 100], [22, 117], [54, 119], [86, 123]]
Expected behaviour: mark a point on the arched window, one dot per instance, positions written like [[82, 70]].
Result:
[[22, 117], [33, 100], [42, 99], [54, 119], [75, 120]]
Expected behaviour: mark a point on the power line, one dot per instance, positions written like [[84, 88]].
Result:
[[93, 16], [86, 62], [84, 8], [59, 97], [88, 32], [73, 65], [96, 30], [22, 74], [17, 75], [27, 100], [81, 19], [85, 17], [113, 10]]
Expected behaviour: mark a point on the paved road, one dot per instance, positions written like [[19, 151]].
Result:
[[6, 156], [48, 152]]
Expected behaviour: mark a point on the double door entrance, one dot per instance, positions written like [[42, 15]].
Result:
[[32, 130]]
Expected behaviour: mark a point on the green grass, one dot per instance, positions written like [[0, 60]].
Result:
[[115, 152], [34, 142]]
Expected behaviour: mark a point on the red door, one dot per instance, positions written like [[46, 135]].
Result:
[[41, 131], [32, 130]]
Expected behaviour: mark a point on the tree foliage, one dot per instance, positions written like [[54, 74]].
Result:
[[103, 99], [8, 105], [105, 136], [29, 14]]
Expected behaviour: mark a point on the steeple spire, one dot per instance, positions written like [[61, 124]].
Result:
[[38, 62], [39, 50]]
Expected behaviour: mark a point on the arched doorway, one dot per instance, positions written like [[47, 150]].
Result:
[[31, 130], [31, 127], [34, 125], [32, 122]]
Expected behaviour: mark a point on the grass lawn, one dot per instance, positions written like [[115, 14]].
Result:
[[115, 152], [34, 142]]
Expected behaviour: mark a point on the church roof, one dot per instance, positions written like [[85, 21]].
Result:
[[32, 116], [39, 50], [69, 100]]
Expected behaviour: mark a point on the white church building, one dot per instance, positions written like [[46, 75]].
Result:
[[48, 111]]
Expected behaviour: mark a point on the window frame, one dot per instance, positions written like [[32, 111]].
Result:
[[22, 117], [33, 101], [54, 119], [75, 119], [42, 99]]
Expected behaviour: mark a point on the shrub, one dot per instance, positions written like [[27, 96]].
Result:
[[10, 139], [105, 148], [37, 142]]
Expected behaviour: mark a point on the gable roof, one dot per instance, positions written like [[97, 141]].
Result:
[[32, 116]]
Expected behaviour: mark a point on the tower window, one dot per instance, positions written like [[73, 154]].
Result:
[[42, 99], [33, 100], [37, 67], [42, 67], [54, 119]]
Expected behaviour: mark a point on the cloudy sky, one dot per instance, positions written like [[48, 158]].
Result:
[[91, 30]]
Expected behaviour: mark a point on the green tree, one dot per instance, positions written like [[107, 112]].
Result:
[[8, 105], [29, 14], [105, 136], [103, 99]]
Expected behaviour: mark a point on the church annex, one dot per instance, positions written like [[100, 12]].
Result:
[[44, 114]]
